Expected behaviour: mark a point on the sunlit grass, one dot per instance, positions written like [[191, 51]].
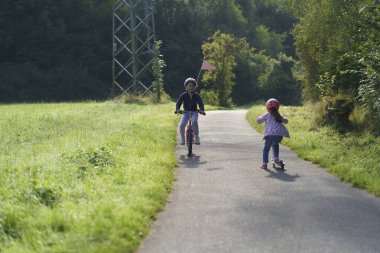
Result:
[[353, 157], [83, 177]]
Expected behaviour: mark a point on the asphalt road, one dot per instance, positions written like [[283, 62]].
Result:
[[223, 202]]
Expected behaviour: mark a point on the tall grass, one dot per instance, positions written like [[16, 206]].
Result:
[[352, 157], [82, 177]]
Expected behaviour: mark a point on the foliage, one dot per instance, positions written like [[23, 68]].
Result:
[[270, 42], [220, 50], [270, 77], [321, 36], [56, 50], [27, 82], [369, 93], [157, 67], [183, 26], [279, 82], [247, 72], [367, 54], [210, 97], [62, 50], [334, 65]]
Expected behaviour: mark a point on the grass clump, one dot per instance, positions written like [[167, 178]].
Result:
[[83, 177], [92, 160], [351, 156]]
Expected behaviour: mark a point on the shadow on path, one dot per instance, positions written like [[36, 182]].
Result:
[[282, 175], [193, 161]]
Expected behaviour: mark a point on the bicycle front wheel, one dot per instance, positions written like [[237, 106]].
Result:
[[189, 143]]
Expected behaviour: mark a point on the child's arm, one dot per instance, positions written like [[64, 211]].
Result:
[[261, 119], [284, 120], [201, 104], [179, 102]]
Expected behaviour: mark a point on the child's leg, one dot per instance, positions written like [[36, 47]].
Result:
[[267, 146], [276, 147], [182, 125], [194, 122], [276, 151]]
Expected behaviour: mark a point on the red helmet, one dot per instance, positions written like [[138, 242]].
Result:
[[272, 103]]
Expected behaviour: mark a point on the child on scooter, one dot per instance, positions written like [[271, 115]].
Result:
[[190, 100], [274, 131]]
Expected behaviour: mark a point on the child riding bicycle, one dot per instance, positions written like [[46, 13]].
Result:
[[190, 100], [274, 131]]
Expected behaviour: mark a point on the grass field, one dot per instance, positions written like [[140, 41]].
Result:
[[90, 177], [83, 177], [352, 157]]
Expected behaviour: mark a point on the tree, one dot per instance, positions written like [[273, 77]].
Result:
[[157, 66], [247, 71], [183, 26], [62, 50], [270, 42], [220, 50], [322, 36], [367, 54], [279, 81], [338, 44]]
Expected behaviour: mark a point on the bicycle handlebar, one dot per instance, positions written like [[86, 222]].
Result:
[[182, 112]]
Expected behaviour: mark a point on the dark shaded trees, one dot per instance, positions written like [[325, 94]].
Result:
[[62, 50], [55, 50]]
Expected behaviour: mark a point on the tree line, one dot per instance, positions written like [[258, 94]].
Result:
[[55, 50], [319, 50], [62, 50]]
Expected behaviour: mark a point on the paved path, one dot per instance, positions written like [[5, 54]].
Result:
[[223, 202]]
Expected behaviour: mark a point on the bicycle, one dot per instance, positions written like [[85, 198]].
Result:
[[189, 130]]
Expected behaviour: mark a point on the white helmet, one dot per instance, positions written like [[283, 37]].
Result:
[[190, 80]]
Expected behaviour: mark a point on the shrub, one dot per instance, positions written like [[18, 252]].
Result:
[[210, 97], [369, 95]]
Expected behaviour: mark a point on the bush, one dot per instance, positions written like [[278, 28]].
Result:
[[164, 98], [210, 97], [369, 93], [337, 111]]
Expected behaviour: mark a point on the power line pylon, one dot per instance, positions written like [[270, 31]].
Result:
[[133, 46]]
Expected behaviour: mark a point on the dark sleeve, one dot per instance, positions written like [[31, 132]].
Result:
[[200, 103], [179, 101]]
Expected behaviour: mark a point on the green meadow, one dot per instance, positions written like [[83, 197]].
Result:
[[91, 177], [83, 177], [353, 157]]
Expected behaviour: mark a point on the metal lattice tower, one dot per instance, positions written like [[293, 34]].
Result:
[[133, 46]]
